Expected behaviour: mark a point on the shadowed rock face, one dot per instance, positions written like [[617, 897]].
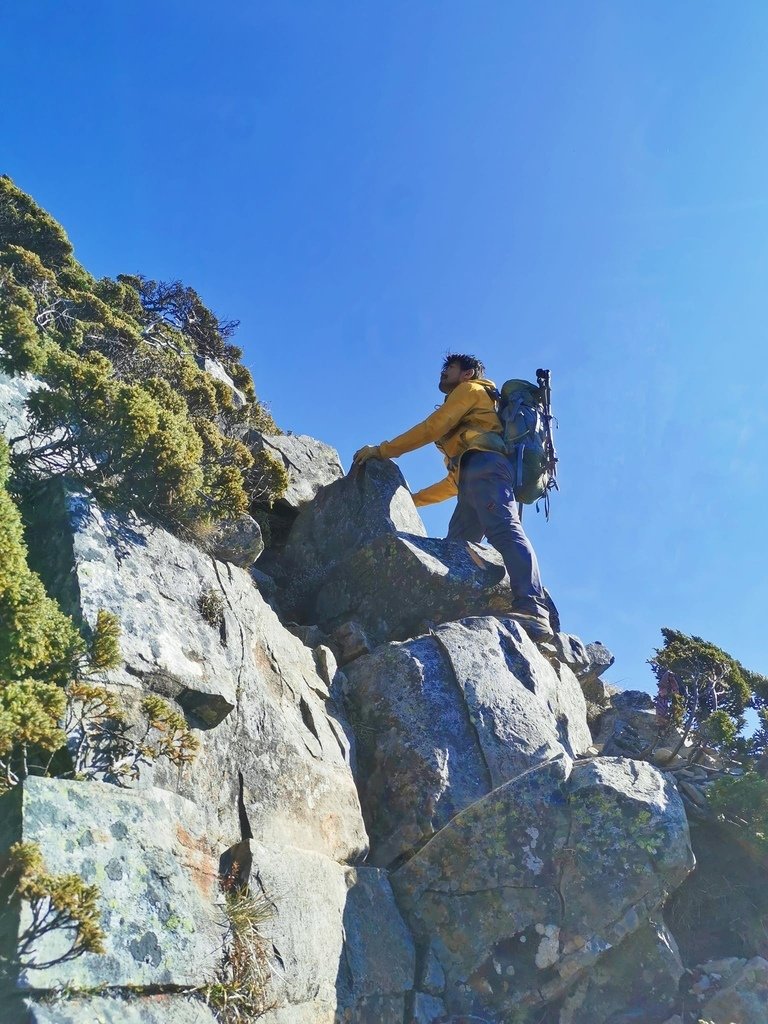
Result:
[[640, 976], [535, 883], [444, 719], [400, 584]]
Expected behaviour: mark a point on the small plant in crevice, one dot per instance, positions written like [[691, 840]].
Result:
[[211, 606], [56, 903], [240, 992]]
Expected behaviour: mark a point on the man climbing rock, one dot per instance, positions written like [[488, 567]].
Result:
[[468, 432]]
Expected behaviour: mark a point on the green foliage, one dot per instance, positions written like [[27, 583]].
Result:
[[267, 478], [21, 347], [107, 746], [168, 734], [705, 670], [743, 800], [703, 693], [115, 438], [180, 307], [104, 650], [30, 712], [719, 730], [56, 902], [24, 224], [37, 641], [129, 413]]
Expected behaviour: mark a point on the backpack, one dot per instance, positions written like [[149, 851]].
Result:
[[526, 418]]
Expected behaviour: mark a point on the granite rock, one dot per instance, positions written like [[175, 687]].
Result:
[[339, 947], [531, 886], [344, 516], [238, 541], [445, 718], [156, 1009], [157, 874], [310, 464], [249, 687]]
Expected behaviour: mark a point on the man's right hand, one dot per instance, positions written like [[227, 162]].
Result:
[[370, 451]]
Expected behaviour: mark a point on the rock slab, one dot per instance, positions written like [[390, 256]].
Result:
[[309, 463], [157, 876], [162, 1009]]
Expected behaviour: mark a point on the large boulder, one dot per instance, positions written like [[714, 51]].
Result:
[[337, 942], [400, 584], [346, 515], [531, 886], [273, 749], [238, 541], [638, 980], [157, 875], [309, 463], [445, 718]]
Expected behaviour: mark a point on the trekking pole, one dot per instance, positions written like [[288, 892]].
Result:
[[543, 379]]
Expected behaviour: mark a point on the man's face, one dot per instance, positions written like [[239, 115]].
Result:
[[451, 376]]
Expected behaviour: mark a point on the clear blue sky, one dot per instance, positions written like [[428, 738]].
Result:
[[582, 186]]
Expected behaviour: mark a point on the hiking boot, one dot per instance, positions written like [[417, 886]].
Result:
[[537, 627]]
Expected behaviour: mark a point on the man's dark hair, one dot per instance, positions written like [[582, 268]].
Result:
[[465, 362]]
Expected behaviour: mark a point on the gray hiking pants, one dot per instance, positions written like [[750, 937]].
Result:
[[487, 508]]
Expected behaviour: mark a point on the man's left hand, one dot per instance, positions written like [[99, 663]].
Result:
[[370, 451]]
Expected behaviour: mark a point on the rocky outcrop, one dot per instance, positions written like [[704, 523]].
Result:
[[197, 631], [372, 501], [530, 887], [309, 463], [446, 718], [512, 873]]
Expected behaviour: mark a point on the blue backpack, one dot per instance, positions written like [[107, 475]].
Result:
[[526, 417]]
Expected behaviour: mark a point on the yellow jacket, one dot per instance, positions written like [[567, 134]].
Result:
[[465, 421]]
